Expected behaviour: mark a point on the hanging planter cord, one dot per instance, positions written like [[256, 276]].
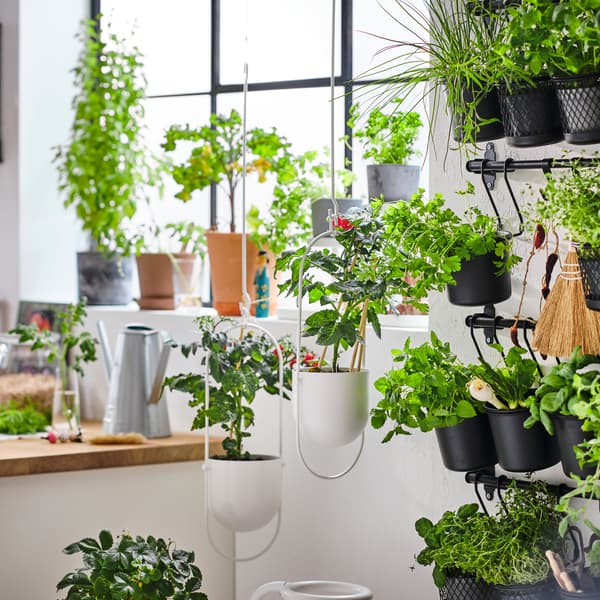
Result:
[[332, 221], [245, 305]]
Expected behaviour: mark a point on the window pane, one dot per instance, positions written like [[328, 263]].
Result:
[[300, 115], [174, 37], [287, 39]]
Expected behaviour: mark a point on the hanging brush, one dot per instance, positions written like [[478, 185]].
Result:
[[565, 321]]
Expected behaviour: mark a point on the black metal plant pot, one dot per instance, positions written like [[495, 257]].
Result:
[[530, 114], [543, 590], [105, 280], [589, 262], [477, 282], [567, 430], [579, 104], [488, 109], [463, 587], [521, 450], [467, 446]]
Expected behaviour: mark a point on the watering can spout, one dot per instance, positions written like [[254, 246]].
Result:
[[106, 353], [156, 391]]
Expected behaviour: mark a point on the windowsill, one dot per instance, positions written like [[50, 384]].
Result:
[[33, 455]]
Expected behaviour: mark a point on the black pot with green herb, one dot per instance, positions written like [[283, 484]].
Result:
[[505, 389], [560, 404], [429, 391]]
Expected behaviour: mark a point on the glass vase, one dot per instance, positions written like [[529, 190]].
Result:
[[65, 405]]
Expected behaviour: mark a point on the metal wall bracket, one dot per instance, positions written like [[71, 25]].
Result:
[[489, 178]]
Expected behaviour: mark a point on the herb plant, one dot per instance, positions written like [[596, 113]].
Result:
[[104, 167], [511, 383], [388, 138], [18, 418], [72, 350], [131, 568], [564, 390], [238, 367], [428, 390]]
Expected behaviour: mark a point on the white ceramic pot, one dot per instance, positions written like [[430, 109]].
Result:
[[244, 495], [334, 407], [314, 590]]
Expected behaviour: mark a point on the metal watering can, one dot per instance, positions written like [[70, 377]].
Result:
[[314, 590], [135, 376]]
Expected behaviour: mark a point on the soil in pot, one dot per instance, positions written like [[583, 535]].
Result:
[[394, 182], [467, 446], [463, 587], [488, 109], [104, 281], [521, 450], [543, 590], [477, 283], [567, 430], [579, 104], [530, 114]]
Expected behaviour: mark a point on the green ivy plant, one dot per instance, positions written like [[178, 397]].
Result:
[[427, 390], [389, 138], [565, 390], [239, 367], [512, 382], [131, 568], [105, 166], [74, 347]]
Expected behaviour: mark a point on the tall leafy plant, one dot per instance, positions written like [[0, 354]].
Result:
[[105, 164]]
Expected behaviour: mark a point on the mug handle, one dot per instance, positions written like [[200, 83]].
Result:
[[272, 586]]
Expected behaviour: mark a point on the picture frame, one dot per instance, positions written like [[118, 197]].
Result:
[[42, 313]]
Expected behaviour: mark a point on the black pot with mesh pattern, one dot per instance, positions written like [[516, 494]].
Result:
[[543, 590], [530, 114], [589, 262], [462, 587], [579, 104]]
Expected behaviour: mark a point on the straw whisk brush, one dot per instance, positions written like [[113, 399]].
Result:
[[565, 321]]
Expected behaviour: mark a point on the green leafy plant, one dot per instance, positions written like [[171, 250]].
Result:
[[131, 568], [572, 201], [238, 367], [105, 166], [216, 157], [72, 350], [448, 50], [388, 138], [363, 279], [434, 240], [565, 390], [505, 549], [510, 384], [427, 390], [18, 418]]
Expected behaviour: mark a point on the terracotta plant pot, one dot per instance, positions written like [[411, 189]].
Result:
[[225, 256]]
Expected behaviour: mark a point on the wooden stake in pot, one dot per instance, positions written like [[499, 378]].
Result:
[[565, 321]]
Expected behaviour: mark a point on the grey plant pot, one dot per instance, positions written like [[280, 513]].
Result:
[[395, 182], [322, 206], [104, 280]]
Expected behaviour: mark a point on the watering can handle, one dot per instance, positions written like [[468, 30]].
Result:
[[106, 353], [273, 586]]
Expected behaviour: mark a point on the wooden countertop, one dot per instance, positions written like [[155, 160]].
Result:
[[29, 456]]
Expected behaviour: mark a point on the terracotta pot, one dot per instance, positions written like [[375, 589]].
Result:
[[225, 256], [155, 273]]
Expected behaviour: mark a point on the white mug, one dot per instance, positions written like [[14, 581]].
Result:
[[314, 590]]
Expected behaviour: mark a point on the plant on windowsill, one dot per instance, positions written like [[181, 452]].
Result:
[[131, 568], [105, 166], [389, 140], [428, 390], [72, 350]]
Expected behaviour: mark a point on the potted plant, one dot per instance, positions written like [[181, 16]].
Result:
[[237, 368], [215, 157], [105, 165], [132, 568], [389, 140], [505, 389], [71, 351], [528, 99], [447, 57], [428, 390], [562, 396], [466, 255], [449, 546], [571, 201]]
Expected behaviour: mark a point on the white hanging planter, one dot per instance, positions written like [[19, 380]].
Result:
[[244, 495], [314, 590], [334, 407]]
